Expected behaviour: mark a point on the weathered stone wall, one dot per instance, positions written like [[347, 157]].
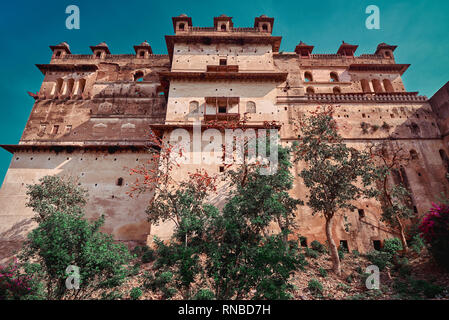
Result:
[[103, 107], [98, 172]]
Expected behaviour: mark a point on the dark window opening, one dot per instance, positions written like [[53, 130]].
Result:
[[310, 90], [336, 90], [119, 182], [181, 26], [308, 77], [333, 77], [264, 27], [413, 154], [138, 76], [142, 53], [223, 62], [221, 168], [223, 27], [415, 209], [58, 53], [222, 109], [55, 129], [361, 213], [344, 245], [377, 245], [303, 242], [98, 54]]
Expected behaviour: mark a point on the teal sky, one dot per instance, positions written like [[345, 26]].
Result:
[[27, 28]]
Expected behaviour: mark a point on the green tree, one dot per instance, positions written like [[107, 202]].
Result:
[[55, 194], [64, 238], [334, 173], [230, 252], [394, 195]]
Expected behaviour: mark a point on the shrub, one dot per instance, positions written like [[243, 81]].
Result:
[[417, 244], [317, 246], [323, 272], [392, 246], [135, 293], [411, 288], [64, 238], [13, 286], [355, 253], [435, 231], [310, 253], [315, 286], [145, 253], [148, 256], [204, 294], [381, 259], [160, 283]]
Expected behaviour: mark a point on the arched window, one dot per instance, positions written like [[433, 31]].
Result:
[[310, 90], [388, 86], [365, 86], [138, 76], [387, 54], [81, 85], [223, 27], [334, 77], [70, 85], [413, 154], [336, 90], [377, 86], [119, 182], [250, 107], [264, 27], [58, 88], [194, 107], [181, 26], [308, 77]]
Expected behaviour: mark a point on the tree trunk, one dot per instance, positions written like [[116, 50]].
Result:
[[402, 235], [333, 248]]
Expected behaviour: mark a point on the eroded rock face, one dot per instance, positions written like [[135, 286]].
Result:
[[93, 112]]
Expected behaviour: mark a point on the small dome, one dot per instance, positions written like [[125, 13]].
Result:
[[183, 15], [145, 43], [223, 16], [65, 44], [102, 44], [263, 16]]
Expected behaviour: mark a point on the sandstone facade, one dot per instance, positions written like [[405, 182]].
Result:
[[93, 112]]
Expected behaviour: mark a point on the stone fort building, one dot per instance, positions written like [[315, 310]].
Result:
[[93, 112]]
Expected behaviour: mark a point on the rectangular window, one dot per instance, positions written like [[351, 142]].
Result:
[[344, 245], [68, 129], [361, 213], [223, 62], [55, 129], [377, 245], [303, 242], [221, 109]]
